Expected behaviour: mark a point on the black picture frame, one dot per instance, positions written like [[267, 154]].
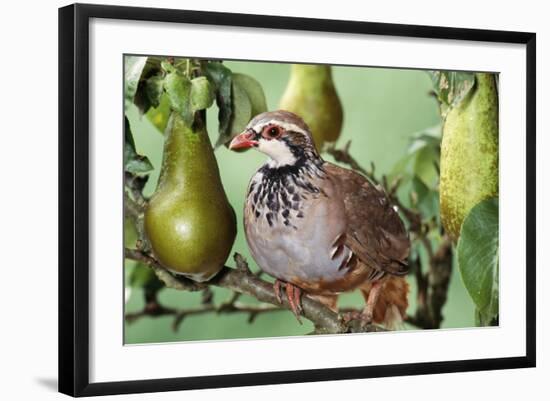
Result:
[[74, 198]]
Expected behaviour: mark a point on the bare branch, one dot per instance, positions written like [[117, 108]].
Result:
[[242, 281], [439, 277], [155, 309], [170, 280], [343, 156], [432, 285]]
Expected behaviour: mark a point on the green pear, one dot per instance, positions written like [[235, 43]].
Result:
[[189, 222], [469, 153], [311, 94]]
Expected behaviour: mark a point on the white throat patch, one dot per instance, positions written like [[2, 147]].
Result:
[[279, 154]]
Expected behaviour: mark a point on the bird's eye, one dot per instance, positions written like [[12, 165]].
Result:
[[271, 132]]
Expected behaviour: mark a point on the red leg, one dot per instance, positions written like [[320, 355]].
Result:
[[293, 294], [372, 299]]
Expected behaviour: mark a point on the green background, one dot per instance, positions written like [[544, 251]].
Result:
[[382, 108]]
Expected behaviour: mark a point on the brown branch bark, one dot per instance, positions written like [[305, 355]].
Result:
[[243, 281], [155, 309], [240, 280], [432, 285], [439, 277]]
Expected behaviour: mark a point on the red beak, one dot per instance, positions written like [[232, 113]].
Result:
[[244, 140]]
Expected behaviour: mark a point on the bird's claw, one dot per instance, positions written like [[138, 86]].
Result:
[[364, 317], [293, 295], [277, 289]]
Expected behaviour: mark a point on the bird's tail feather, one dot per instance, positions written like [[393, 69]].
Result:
[[391, 308]]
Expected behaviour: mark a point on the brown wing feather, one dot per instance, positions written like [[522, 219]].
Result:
[[375, 232]]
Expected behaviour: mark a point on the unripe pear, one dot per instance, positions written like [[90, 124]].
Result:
[[189, 222], [311, 94], [469, 153]]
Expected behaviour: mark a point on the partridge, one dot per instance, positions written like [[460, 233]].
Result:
[[320, 228]]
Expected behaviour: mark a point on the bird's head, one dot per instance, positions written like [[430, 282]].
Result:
[[281, 135]]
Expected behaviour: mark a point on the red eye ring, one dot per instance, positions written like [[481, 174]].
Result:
[[271, 131]]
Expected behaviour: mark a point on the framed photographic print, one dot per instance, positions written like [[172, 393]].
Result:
[[279, 199]]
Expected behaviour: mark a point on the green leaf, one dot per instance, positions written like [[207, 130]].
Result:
[[188, 96], [241, 113], [159, 115], [427, 199], [427, 137], [178, 89], [221, 76], [401, 167], [422, 157], [133, 162], [451, 87], [149, 93], [142, 81], [484, 319], [133, 68], [202, 94], [167, 66], [254, 92], [477, 251], [425, 165]]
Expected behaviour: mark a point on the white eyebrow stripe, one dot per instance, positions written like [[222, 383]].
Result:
[[287, 126]]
